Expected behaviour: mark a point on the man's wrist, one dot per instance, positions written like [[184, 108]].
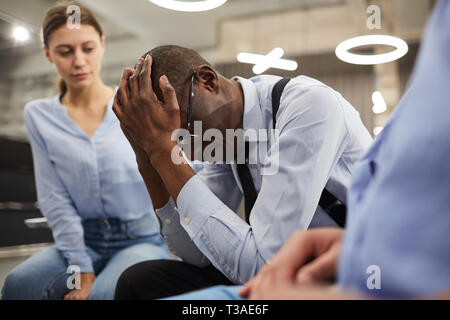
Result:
[[164, 154], [143, 161]]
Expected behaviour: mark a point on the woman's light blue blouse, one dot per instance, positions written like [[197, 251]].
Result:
[[78, 177]]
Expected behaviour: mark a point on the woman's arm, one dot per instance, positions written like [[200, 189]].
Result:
[[56, 204]]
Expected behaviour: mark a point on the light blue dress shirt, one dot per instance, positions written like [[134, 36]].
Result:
[[321, 137], [399, 203], [78, 177]]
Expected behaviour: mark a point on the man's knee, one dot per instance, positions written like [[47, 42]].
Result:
[[126, 285], [123, 287], [143, 280]]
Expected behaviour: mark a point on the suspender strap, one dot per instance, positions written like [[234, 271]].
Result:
[[276, 97], [245, 176], [248, 185], [333, 207], [328, 202]]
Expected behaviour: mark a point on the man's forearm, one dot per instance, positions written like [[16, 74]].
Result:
[[173, 176], [155, 186]]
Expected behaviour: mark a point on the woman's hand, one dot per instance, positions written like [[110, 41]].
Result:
[[86, 282]]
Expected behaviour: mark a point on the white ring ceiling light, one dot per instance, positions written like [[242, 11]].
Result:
[[193, 6], [342, 50]]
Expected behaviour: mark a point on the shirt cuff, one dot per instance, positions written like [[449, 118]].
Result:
[[168, 217], [196, 203]]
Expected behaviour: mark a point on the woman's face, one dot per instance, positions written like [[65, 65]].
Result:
[[77, 54]]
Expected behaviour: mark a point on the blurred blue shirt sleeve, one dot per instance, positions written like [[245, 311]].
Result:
[[399, 203]]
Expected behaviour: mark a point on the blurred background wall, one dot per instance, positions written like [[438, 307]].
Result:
[[307, 30]]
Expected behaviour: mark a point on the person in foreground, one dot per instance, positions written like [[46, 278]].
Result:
[[397, 243]]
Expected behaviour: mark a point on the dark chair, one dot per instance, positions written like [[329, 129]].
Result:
[[18, 201]]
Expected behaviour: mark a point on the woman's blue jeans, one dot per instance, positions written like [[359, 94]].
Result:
[[112, 249]]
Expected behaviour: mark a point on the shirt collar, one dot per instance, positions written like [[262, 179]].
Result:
[[252, 108], [109, 115]]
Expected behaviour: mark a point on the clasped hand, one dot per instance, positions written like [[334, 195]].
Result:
[[149, 123], [302, 269]]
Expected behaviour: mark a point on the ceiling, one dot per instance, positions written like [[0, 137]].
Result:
[[196, 30], [149, 22], [134, 26]]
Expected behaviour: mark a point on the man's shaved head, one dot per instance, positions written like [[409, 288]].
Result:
[[177, 63], [218, 102]]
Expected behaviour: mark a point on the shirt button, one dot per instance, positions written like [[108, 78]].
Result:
[[99, 210], [96, 195], [187, 220], [168, 221]]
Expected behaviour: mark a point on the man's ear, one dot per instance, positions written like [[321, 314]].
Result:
[[47, 54], [207, 77]]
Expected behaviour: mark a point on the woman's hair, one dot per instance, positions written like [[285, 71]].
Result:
[[58, 16]]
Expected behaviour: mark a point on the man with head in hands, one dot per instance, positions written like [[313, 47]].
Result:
[[298, 182]]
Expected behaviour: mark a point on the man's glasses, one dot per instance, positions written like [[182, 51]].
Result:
[[189, 113], [191, 98]]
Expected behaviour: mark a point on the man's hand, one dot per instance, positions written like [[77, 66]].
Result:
[[149, 125], [149, 122], [141, 156], [86, 282], [308, 257], [155, 186]]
